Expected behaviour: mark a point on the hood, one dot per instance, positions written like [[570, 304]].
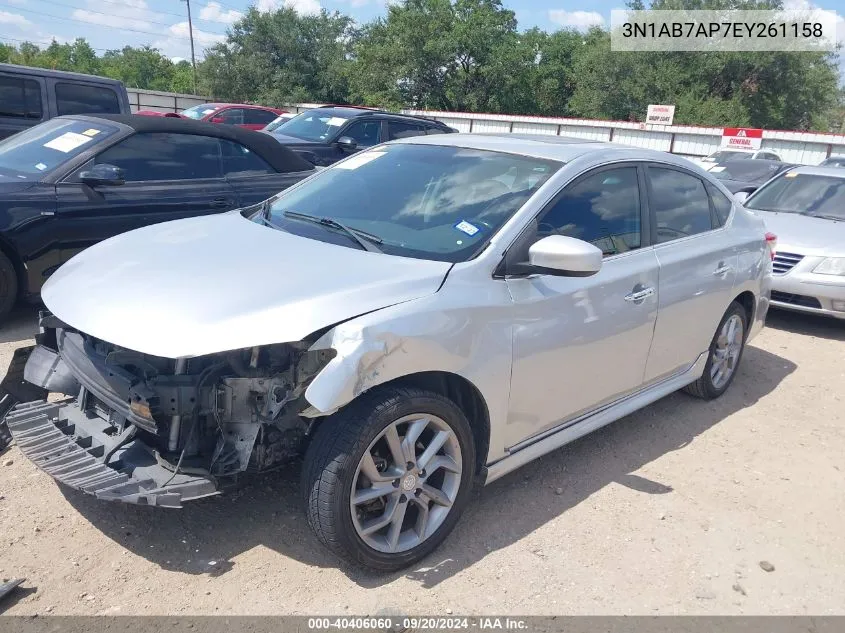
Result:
[[222, 282], [13, 184], [805, 235], [286, 139]]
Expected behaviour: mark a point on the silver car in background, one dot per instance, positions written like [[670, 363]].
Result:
[[805, 208], [422, 316]]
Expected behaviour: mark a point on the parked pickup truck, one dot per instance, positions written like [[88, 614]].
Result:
[[29, 96]]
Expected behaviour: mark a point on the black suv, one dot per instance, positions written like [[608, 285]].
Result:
[[325, 135], [29, 96]]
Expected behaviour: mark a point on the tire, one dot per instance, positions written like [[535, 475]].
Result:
[[8, 286], [708, 386], [334, 464]]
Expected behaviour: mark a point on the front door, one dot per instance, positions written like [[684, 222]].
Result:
[[581, 342], [168, 177]]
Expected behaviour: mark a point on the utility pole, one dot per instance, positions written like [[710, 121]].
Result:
[[191, 33]]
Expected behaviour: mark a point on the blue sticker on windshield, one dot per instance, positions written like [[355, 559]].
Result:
[[465, 227]]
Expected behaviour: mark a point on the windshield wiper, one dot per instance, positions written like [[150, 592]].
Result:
[[365, 240]]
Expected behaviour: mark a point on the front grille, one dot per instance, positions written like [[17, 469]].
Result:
[[796, 300], [784, 262]]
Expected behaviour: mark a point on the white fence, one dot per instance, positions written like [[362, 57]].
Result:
[[161, 101], [806, 148]]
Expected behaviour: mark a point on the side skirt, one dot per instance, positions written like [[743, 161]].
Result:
[[572, 430]]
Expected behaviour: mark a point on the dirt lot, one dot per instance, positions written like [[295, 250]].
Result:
[[670, 510]]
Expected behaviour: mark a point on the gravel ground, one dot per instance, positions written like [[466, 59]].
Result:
[[676, 509]]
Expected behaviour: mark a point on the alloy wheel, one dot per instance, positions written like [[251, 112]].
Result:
[[406, 483]]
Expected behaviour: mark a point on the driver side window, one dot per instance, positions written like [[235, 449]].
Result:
[[602, 208], [365, 133]]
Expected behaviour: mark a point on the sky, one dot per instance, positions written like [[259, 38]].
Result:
[[110, 24]]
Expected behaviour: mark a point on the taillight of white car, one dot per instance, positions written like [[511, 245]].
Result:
[[772, 243]]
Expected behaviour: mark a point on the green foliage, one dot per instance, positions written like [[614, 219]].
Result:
[[281, 57], [470, 55]]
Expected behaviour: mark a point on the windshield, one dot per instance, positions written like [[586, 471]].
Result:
[[272, 125], [40, 150], [424, 201], [723, 155], [838, 161], [806, 194], [746, 170], [198, 112], [312, 125]]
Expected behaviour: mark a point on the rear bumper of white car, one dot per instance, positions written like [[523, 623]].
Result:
[[801, 290]]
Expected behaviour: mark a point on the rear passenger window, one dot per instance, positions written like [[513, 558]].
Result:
[[258, 117], [721, 204], [85, 99], [239, 161], [680, 203], [603, 209], [20, 98], [161, 156], [403, 129]]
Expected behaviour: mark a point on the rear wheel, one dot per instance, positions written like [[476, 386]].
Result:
[[8, 286], [386, 478], [726, 350]]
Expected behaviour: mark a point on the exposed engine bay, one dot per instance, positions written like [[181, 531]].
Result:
[[159, 431]]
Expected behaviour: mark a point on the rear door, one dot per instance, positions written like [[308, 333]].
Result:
[[698, 264], [168, 176], [85, 98], [252, 179], [257, 118], [22, 103], [403, 129]]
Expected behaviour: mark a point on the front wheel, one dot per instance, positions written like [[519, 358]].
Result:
[[725, 354], [385, 479]]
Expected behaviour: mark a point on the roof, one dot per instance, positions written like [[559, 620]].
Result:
[[350, 112], [59, 74], [280, 158], [560, 148], [831, 172], [254, 106]]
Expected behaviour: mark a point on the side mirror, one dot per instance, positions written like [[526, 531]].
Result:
[[741, 196], [103, 175], [565, 256], [217, 119], [347, 143]]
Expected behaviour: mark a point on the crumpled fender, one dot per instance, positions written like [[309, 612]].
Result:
[[413, 337]]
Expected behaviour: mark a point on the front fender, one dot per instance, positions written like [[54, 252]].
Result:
[[420, 336]]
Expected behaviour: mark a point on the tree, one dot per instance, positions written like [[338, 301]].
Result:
[[281, 57], [461, 55]]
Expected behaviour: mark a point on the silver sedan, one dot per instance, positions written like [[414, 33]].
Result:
[[422, 316], [805, 208]]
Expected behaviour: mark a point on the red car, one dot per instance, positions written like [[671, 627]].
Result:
[[253, 117]]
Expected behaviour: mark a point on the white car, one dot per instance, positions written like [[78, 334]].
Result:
[[724, 155]]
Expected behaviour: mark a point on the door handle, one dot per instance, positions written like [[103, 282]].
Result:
[[639, 295], [220, 202], [723, 269], [48, 213]]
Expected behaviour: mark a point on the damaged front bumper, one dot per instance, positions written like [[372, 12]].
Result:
[[72, 443], [156, 431], [76, 449]]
